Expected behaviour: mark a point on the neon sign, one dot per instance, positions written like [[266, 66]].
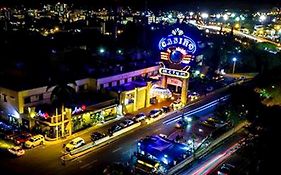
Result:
[[177, 51], [42, 114], [79, 109], [174, 73], [177, 39]]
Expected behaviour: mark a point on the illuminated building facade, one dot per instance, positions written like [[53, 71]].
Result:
[[23, 105]]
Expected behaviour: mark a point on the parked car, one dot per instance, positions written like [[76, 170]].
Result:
[[193, 96], [155, 113], [126, 123], [139, 117], [176, 105], [75, 143], [35, 141], [16, 150], [166, 109], [97, 135], [22, 138], [116, 128], [11, 134], [113, 129]]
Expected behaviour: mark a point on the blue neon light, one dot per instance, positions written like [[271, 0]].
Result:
[[177, 39]]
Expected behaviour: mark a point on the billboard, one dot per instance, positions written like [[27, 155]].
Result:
[[176, 52]]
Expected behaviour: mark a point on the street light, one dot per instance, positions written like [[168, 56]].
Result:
[[263, 18], [102, 50], [204, 15], [225, 17], [234, 63]]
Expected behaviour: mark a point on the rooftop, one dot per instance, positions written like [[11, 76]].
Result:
[[160, 148]]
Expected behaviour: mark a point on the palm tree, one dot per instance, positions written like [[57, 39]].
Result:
[[62, 94]]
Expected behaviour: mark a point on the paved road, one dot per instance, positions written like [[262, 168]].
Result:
[[45, 160], [241, 34], [207, 164]]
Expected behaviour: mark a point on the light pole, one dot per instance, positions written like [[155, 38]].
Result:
[[234, 63]]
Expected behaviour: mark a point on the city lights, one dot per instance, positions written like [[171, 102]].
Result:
[[225, 17], [237, 18], [139, 88], [218, 16], [204, 15], [262, 18], [101, 50]]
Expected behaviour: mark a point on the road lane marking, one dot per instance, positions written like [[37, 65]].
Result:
[[196, 110], [117, 149], [88, 164]]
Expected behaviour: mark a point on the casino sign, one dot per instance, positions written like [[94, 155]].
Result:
[[177, 50]]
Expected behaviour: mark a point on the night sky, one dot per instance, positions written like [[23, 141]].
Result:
[[160, 4]]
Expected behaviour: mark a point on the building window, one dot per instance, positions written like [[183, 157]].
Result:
[[82, 88], [129, 79], [122, 81], [27, 100], [101, 86], [12, 98], [34, 98], [114, 83], [40, 97], [130, 98]]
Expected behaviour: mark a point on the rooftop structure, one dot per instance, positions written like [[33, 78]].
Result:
[[163, 149]]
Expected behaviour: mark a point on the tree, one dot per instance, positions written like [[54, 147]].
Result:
[[62, 94]]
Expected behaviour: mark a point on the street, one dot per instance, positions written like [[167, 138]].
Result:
[[46, 159]]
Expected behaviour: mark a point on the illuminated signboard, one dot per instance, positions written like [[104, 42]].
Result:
[[179, 40], [174, 73], [176, 52]]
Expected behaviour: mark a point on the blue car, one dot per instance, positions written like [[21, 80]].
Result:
[[155, 113]]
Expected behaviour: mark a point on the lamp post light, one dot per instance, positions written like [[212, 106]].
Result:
[[225, 17], [101, 50], [234, 63], [262, 18]]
